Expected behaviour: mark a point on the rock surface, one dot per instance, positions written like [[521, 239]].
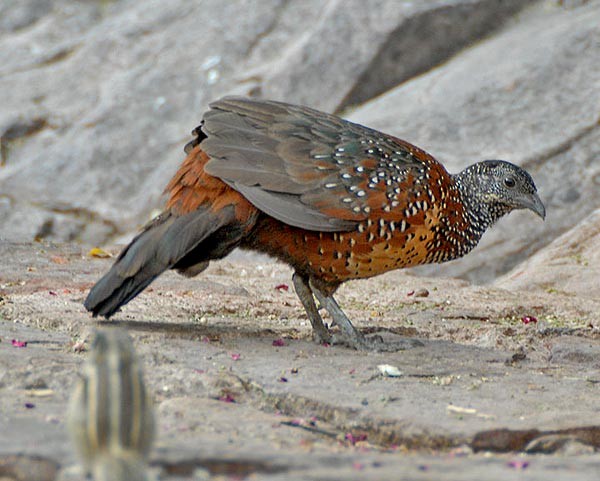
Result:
[[98, 98], [480, 400], [570, 264]]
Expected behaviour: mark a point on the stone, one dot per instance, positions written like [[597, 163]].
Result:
[[558, 443], [570, 264], [370, 50]]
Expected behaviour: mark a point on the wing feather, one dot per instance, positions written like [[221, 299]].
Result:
[[300, 165]]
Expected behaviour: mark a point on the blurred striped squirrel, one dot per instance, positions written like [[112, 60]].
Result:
[[110, 416]]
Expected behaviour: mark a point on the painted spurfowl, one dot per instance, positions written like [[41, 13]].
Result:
[[334, 200]]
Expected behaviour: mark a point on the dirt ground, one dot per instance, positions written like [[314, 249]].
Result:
[[484, 395]]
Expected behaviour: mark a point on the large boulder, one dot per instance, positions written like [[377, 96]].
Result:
[[98, 98], [530, 95], [569, 265]]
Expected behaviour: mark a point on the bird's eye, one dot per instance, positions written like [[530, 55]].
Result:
[[509, 182]]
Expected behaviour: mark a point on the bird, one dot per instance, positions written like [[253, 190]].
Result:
[[333, 199], [110, 416]]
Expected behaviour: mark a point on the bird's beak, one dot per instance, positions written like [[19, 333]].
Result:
[[534, 203]]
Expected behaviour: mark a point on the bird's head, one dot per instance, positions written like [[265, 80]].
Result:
[[496, 187]]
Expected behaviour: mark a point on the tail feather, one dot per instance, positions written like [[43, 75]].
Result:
[[163, 244]]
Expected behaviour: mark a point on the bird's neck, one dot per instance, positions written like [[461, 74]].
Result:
[[478, 214]]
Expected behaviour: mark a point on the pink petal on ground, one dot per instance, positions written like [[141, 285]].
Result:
[[355, 438], [279, 342], [528, 319], [518, 464], [236, 356], [282, 287], [17, 343], [227, 398]]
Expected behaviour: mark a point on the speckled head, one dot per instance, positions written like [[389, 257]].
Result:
[[493, 188]]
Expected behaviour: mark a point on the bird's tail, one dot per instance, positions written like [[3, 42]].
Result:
[[183, 242]]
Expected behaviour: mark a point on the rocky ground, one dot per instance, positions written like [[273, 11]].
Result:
[[242, 392], [97, 101]]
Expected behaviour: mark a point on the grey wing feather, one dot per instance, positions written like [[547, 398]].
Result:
[[281, 157], [286, 208]]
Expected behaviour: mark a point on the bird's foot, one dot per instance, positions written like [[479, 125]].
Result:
[[322, 336], [374, 343], [358, 341]]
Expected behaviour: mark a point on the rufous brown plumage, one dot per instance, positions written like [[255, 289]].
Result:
[[333, 199]]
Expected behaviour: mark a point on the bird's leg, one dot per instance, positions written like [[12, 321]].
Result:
[[352, 337], [320, 332]]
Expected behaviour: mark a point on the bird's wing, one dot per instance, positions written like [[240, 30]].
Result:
[[307, 168]]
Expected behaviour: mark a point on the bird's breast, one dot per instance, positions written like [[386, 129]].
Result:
[[374, 247]]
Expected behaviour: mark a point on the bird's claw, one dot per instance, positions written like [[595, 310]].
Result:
[[374, 343]]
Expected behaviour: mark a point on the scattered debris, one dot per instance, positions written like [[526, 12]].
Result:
[[566, 444], [355, 438], [227, 398], [59, 260], [40, 392], [529, 319], [444, 380], [309, 426], [518, 464], [422, 293], [97, 252], [388, 370], [282, 287], [518, 356], [460, 411], [451, 408], [279, 342]]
